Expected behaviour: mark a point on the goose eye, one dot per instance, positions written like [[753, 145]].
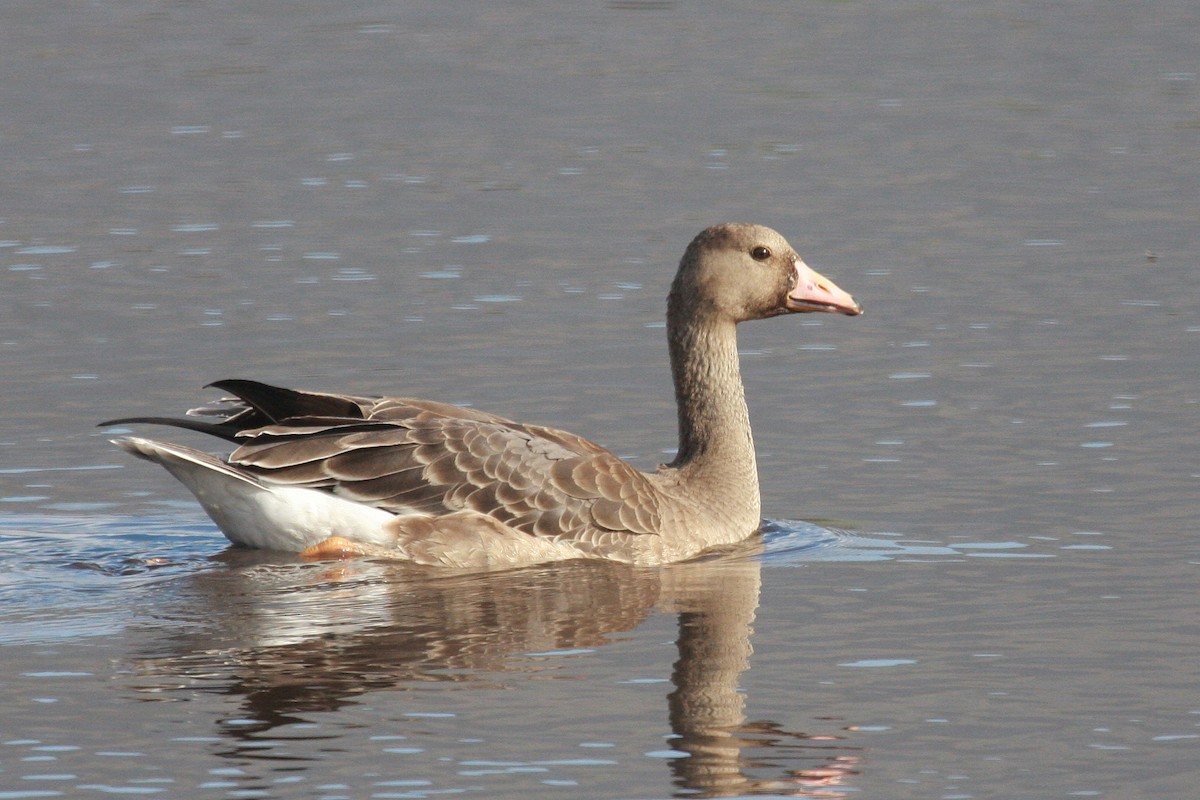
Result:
[[760, 253]]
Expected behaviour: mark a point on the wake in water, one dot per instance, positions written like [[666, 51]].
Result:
[[788, 542], [64, 576]]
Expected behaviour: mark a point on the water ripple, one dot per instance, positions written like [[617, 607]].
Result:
[[789, 542], [64, 577]]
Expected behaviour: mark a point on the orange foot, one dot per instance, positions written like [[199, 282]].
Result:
[[333, 547]]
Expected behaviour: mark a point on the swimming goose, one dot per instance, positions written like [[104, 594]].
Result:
[[332, 475]]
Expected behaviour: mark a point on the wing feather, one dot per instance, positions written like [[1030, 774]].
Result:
[[407, 455]]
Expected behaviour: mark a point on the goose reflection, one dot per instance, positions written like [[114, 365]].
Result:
[[290, 640]]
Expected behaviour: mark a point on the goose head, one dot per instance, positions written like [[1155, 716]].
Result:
[[740, 271]]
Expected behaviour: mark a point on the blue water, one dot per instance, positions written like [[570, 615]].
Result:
[[994, 590]]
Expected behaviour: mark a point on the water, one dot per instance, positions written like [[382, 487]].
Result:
[[992, 592]]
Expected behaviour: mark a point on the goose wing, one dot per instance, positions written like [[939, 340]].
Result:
[[417, 456]]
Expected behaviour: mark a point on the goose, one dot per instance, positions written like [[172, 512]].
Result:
[[336, 476]]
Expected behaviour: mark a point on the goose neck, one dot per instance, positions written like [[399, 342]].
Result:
[[714, 423]]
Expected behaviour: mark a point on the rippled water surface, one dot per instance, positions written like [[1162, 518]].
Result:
[[978, 576]]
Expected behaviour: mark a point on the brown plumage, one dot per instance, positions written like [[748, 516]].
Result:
[[333, 474]]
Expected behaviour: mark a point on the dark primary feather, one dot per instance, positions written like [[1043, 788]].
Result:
[[276, 403]]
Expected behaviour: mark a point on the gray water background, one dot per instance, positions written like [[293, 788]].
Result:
[[980, 574]]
